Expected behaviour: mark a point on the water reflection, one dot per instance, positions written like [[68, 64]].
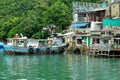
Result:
[[36, 67], [88, 68], [58, 67]]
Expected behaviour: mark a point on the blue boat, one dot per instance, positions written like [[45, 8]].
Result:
[[1, 45], [24, 45]]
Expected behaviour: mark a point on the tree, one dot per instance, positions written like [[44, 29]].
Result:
[[30, 16], [59, 15]]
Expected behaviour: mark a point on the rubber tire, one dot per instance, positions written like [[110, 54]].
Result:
[[48, 51], [31, 50], [37, 51]]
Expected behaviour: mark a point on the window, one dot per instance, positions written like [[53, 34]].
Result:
[[103, 32], [96, 40], [20, 41], [117, 41], [79, 41], [9, 41]]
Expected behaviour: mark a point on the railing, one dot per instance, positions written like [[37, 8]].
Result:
[[115, 46], [83, 29], [105, 46], [101, 46]]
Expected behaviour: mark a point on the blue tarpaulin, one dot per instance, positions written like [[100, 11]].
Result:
[[78, 25]]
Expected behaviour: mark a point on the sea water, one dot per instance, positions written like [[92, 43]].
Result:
[[58, 67]]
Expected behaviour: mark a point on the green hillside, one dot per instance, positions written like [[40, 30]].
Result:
[[30, 16]]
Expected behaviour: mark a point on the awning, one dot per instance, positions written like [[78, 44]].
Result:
[[78, 25], [69, 34]]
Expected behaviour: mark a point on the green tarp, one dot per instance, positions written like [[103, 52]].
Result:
[[111, 22]]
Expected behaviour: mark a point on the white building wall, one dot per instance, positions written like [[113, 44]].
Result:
[[75, 17], [96, 26]]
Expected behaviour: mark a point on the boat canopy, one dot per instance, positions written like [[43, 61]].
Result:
[[80, 25]]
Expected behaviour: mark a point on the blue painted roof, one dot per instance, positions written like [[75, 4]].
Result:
[[78, 25]]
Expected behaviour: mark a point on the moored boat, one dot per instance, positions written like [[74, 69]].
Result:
[[23, 45]]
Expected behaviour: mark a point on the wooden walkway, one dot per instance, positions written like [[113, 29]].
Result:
[[106, 51]]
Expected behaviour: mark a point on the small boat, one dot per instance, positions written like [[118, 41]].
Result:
[[23, 45], [1, 45]]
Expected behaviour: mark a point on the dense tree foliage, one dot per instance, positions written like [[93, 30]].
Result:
[[30, 16]]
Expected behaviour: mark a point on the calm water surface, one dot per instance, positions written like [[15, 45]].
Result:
[[58, 67]]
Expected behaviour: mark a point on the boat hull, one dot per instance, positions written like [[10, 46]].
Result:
[[39, 50]]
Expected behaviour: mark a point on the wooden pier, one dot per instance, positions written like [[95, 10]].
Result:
[[107, 51]]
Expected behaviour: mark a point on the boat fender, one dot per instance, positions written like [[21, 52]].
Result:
[[37, 50], [31, 50], [48, 50]]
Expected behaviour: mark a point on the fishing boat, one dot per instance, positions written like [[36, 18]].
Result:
[[23, 45]]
